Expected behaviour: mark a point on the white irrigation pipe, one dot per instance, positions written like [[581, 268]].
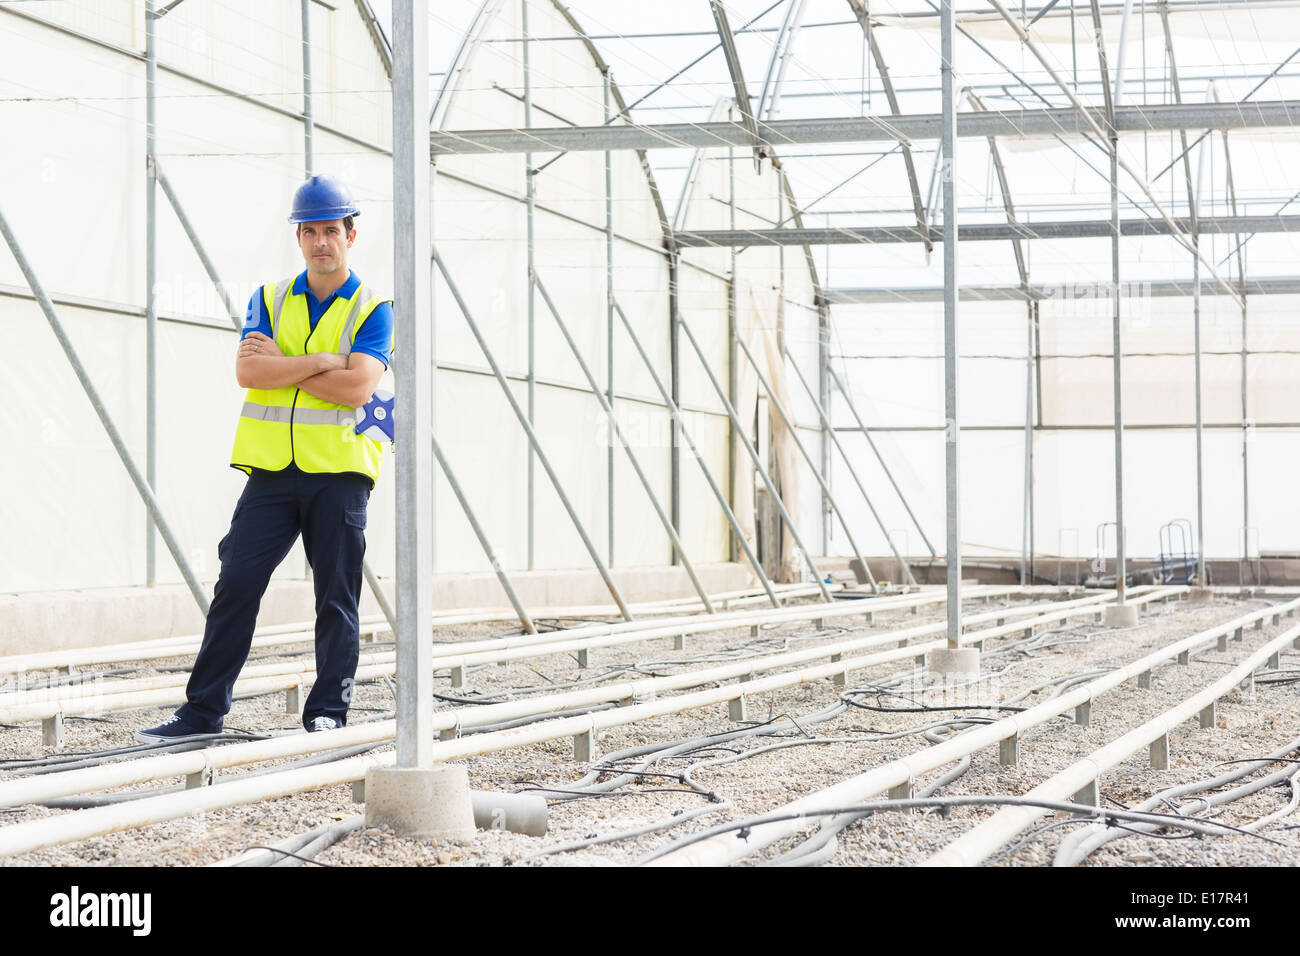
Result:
[[986, 838], [45, 703], [556, 641], [65, 828], [299, 632], [104, 703], [46, 786], [726, 848]]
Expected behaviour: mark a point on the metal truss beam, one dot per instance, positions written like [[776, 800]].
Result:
[[1282, 285], [864, 129], [983, 232]]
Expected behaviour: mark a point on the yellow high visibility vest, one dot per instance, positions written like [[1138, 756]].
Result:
[[280, 426]]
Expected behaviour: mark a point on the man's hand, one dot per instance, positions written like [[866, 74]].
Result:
[[255, 343]]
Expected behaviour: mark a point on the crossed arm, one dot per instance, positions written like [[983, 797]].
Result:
[[345, 380]]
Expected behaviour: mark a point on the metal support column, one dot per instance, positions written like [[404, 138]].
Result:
[[115, 436], [952, 431], [530, 177], [308, 123], [1116, 335], [824, 399], [1193, 213], [150, 280], [675, 455], [733, 357], [609, 328], [533, 441], [413, 364], [1201, 577], [679, 427]]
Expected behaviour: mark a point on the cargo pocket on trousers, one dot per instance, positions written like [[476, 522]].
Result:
[[226, 543], [354, 537]]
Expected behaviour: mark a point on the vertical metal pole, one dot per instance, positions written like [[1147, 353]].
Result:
[[1035, 388], [1120, 570], [733, 354], [950, 342], [308, 123], [531, 181], [609, 326], [1027, 515], [308, 131], [150, 280], [824, 396], [1201, 577], [1245, 442], [412, 367], [674, 384]]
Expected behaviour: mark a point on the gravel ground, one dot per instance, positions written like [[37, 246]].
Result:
[[827, 752]]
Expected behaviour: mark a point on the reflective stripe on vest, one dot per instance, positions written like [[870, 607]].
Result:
[[283, 426]]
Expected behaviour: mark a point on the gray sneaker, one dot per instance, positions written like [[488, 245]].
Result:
[[322, 723]]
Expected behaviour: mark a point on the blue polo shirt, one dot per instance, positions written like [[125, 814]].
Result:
[[375, 337]]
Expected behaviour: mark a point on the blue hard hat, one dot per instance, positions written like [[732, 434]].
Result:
[[322, 197]]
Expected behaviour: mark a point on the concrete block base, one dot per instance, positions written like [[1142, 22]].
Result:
[[954, 660], [428, 804], [1120, 615], [1200, 595]]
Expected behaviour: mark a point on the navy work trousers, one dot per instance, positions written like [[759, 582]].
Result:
[[330, 513]]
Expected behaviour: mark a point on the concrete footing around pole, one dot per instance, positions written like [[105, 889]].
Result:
[[1120, 615], [426, 803], [954, 660], [1200, 595]]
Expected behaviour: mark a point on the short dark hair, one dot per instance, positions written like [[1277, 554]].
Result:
[[347, 225]]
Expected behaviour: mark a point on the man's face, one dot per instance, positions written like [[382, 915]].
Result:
[[325, 245]]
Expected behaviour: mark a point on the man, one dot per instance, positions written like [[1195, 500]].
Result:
[[312, 351]]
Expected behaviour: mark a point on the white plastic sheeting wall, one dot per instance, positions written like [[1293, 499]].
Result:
[[74, 196]]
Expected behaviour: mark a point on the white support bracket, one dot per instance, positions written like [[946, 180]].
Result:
[[293, 699], [1144, 680], [359, 790]]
